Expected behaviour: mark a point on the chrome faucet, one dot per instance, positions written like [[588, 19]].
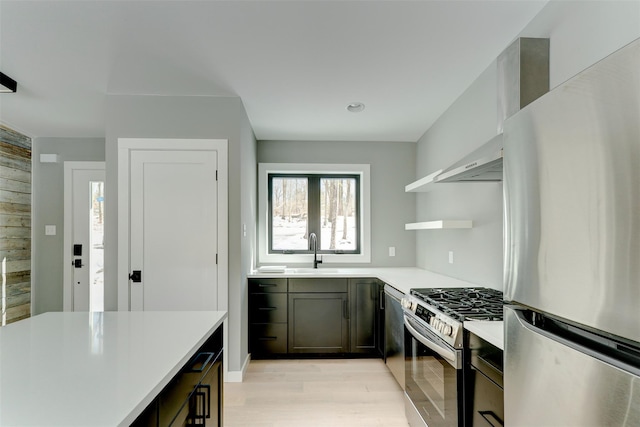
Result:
[[313, 245]]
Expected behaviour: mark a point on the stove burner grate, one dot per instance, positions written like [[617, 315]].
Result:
[[464, 303]]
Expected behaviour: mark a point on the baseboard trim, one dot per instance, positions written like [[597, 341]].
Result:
[[238, 376]]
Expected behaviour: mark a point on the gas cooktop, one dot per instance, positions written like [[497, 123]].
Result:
[[463, 303]]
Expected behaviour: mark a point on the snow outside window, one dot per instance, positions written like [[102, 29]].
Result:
[[324, 204], [329, 200]]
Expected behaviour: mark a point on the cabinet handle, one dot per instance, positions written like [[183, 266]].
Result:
[[267, 285], [381, 296], [498, 422], [267, 338], [208, 356], [267, 308], [345, 309], [201, 399]]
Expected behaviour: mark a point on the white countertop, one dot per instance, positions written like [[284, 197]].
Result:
[[401, 278], [492, 331], [93, 369]]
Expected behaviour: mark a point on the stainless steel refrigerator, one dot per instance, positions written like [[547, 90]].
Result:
[[572, 251]]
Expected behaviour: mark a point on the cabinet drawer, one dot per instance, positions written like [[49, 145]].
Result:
[[268, 308], [174, 401], [318, 285], [267, 285], [268, 338]]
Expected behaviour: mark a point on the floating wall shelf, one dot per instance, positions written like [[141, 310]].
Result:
[[440, 224], [423, 184]]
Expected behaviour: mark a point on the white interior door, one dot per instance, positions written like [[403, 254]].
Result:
[[83, 236], [172, 224], [174, 230]]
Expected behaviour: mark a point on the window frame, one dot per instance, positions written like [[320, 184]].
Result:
[[364, 218], [314, 211]]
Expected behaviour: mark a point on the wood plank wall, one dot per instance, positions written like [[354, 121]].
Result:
[[15, 225]]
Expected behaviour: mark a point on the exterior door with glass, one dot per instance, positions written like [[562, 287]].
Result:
[[84, 236]]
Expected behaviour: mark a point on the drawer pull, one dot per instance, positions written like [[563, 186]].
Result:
[[267, 308], [495, 421], [200, 405], [267, 285], [208, 356], [267, 338]]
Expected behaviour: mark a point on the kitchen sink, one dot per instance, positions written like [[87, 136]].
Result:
[[309, 270]]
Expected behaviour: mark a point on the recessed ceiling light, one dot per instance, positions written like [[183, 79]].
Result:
[[355, 107]]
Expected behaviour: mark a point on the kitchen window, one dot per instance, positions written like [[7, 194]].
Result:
[[331, 201], [327, 205]]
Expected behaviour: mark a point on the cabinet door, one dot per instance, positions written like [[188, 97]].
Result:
[[318, 323], [364, 298]]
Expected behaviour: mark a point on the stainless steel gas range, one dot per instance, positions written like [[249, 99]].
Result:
[[434, 350]]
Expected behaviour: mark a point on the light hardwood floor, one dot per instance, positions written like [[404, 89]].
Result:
[[300, 393]]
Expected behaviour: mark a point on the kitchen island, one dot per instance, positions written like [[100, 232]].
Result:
[[95, 369]]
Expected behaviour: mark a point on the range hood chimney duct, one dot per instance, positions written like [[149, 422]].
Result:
[[523, 77]]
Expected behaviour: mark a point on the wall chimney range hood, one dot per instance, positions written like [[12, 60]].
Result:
[[483, 164], [523, 76]]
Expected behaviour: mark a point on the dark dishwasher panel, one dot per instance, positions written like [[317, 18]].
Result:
[[394, 334], [484, 383]]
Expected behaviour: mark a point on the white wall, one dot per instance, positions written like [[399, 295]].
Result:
[[581, 33], [392, 167], [48, 208], [136, 116]]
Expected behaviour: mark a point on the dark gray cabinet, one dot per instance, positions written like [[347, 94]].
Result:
[[318, 322], [268, 317], [318, 315], [366, 316], [194, 395], [315, 316]]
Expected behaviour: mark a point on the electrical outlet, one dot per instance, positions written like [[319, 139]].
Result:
[[450, 257], [392, 251]]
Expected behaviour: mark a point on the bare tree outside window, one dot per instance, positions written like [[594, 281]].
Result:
[[323, 204], [338, 216], [289, 213]]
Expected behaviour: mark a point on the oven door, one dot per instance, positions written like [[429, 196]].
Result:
[[433, 379]]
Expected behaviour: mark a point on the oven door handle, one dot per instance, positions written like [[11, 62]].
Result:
[[449, 355]]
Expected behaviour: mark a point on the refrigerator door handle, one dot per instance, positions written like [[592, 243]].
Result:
[[525, 323]]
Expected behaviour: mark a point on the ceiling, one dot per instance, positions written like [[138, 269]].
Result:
[[296, 65]]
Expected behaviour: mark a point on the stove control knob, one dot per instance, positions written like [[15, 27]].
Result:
[[448, 330], [434, 322], [405, 303]]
